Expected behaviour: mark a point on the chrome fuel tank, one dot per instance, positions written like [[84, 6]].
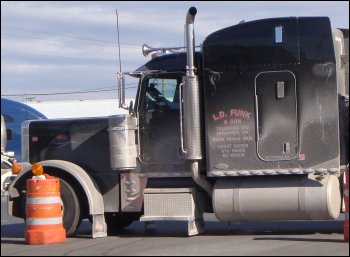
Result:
[[277, 198], [122, 141]]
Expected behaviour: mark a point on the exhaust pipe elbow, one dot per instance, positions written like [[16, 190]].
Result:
[[190, 15]]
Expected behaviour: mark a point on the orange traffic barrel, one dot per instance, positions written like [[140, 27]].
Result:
[[346, 200], [44, 211]]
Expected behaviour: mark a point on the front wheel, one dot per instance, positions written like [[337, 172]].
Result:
[[71, 208]]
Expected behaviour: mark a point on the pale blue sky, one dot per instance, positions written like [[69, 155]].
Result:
[[50, 47]]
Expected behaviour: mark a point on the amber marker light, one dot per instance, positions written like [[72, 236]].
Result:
[[16, 168], [37, 169]]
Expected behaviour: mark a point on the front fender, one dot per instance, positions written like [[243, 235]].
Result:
[[92, 192]]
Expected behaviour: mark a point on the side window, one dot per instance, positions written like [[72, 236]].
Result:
[[161, 93]]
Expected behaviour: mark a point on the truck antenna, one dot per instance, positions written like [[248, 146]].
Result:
[[120, 62]]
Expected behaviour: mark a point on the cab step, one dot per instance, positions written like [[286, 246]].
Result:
[[174, 204]]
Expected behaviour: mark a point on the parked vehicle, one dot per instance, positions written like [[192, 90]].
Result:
[[6, 159], [14, 114], [251, 127]]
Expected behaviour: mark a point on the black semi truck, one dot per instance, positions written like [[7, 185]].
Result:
[[254, 126]]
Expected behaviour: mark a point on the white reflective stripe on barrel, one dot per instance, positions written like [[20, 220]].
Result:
[[44, 221], [43, 200]]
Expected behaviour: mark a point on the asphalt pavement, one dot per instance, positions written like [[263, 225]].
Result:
[[287, 238]]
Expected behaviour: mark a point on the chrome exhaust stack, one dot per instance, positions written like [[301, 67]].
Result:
[[191, 101], [191, 136], [190, 40]]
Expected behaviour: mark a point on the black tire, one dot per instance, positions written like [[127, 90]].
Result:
[[71, 208], [117, 221]]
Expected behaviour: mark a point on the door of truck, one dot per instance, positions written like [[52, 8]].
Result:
[[277, 121], [159, 126]]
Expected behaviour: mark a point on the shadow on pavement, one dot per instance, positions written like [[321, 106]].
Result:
[[212, 228], [12, 234], [12, 230]]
